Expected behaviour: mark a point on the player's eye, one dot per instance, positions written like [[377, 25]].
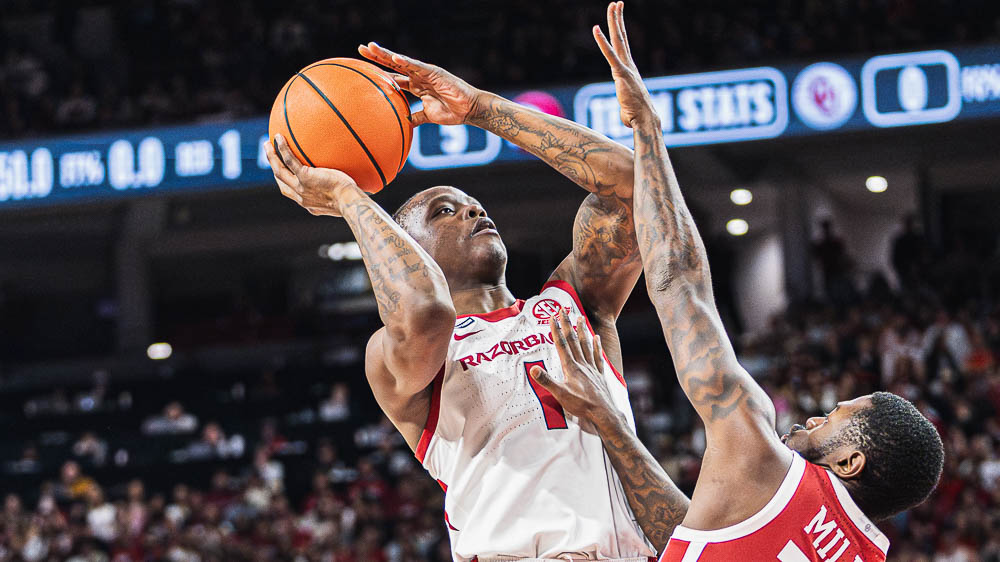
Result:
[[444, 210]]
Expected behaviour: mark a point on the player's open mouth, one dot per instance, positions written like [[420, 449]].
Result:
[[484, 226]]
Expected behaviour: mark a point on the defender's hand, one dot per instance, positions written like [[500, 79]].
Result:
[[317, 190], [633, 97], [584, 390], [447, 98]]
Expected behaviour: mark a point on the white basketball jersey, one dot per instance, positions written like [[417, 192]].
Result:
[[521, 477]]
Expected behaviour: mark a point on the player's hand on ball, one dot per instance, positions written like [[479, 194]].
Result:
[[317, 190], [447, 98], [584, 391], [633, 97]]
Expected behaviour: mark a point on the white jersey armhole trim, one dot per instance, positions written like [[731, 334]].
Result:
[[858, 517], [756, 521]]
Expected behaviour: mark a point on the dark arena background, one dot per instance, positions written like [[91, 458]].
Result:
[[181, 347]]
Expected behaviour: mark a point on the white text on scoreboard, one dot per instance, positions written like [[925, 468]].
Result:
[[712, 107]]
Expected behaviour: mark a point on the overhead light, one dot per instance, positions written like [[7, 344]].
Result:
[[340, 251], [159, 351], [737, 227], [876, 184], [741, 196]]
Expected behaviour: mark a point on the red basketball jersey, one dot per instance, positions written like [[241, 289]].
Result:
[[810, 518]]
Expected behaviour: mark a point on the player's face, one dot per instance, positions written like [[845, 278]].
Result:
[[820, 439], [456, 231]]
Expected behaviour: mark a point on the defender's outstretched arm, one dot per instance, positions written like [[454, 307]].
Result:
[[676, 266]]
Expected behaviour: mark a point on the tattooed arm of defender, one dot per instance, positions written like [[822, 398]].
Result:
[[658, 504], [676, 265], [411, 291]]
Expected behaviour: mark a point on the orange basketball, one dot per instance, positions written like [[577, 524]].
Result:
[[345, 114]]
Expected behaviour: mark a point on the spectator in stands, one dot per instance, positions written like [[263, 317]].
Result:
[[73, 485], [834, 263], [28, 463], [269, 470], [174, 420], [370, 436], [215, 444], [102, 516], [328, 462], [91, 448], [338, 406], [78, 109], [270, 439]]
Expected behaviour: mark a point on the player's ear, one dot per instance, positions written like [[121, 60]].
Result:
[[849, 465]]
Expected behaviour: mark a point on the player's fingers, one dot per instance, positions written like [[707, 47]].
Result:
[[401, 63], [559, 340], [542, 376], [418, 118], [281, 172], [598, 352], [573, 340], [606, 49], [615, 31], [374, 53], [287, 157], [401, 80], [586, 340], [288, 191], [621, 29]]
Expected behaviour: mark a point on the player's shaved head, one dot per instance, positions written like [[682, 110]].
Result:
[[445, 232], [402, 214]]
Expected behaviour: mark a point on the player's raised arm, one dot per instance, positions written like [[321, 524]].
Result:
[[659, 506], [604, 265], [412, 294], [732, 405]]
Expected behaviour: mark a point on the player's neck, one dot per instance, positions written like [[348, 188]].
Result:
[[485, 298]]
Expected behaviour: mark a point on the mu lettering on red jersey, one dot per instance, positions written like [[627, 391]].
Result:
[[811, 518]]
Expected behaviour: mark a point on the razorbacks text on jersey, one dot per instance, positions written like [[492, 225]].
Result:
[[521, 477], [811, 518]]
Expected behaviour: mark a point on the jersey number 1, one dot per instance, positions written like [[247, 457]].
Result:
[[551, 408]]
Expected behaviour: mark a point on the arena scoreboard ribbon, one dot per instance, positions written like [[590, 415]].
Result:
[[885, 91]]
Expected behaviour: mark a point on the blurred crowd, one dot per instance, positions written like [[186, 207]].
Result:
[[69, 66]]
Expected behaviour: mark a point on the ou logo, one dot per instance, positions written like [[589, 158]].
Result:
[[545, 309]]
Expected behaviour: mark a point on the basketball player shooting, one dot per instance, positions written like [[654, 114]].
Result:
[[450, 367], [811, 494]]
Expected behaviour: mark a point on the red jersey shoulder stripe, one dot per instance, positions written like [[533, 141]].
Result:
[[432, 417], [567, 288]]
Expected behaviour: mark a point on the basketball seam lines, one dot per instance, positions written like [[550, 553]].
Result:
[[348, 125], [402, 135], [284, 109]]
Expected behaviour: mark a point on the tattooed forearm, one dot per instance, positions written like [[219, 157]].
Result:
[[593, 161], [680, 286], [658, 505], [401, 272]]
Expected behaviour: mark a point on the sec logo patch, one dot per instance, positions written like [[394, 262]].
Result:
[[545, 309]]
